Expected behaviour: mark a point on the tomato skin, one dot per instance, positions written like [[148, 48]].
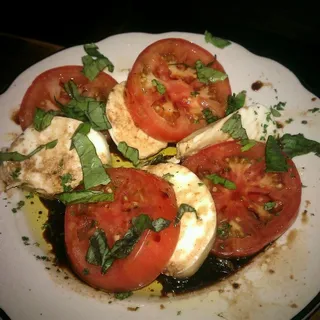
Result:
[[187, 109], [244, 205], [136, 192], [49, 84]]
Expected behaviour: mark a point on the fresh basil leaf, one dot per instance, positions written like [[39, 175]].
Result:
[[98, 247], [248, 145], [275, 112], [216, 179], [130, 153], [123, 295], [216, 41], [208, 115], [279, 106], [84, 196], [93, 171], [236, 102], [85, 109], [223, 230], [65, 179], [183, 208], [269, 205], [123, 247], [16, 156], [160, 224], [160, 87], [42, 119], [208, 75], [233, 127], [94, 62], [297, 145], [275, 159]]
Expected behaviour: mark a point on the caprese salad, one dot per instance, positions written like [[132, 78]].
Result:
[[230, 189]]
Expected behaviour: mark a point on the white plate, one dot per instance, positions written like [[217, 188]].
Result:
[[277, 285]]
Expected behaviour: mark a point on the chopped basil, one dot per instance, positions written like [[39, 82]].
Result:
[[85, 109], [65, 179], [94, 61], [208, 115], [235, 102], [123, 295], [288, 120], [194, 93], [42, 119], [16, 156], [275, 112], [275, 159], [297, 145], [269, 205], [93, 171], [85, 271], [208, 75], [314, 110], [167, 176], [223, 230], [16, 173], [84, 196], [216, 179], [248, 145], [279, 106], [160, 158], [130, 153], [98, 252], [233, 127], [181, 211], [216, 41], [30, 195], [160, 87], [98, 248]]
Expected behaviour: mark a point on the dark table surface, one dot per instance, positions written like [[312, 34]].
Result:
[[290, 37]]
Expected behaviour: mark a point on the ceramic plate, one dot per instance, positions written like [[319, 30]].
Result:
[[278, 284]]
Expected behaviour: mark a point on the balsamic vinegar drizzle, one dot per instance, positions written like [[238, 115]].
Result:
[[213, 270]]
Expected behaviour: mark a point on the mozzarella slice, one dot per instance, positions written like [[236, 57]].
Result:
[[123, 127], [196, 235], [43, 171], [253, 118]]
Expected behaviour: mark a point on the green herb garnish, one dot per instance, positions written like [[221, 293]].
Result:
[[84, 196], [275, 159], [216, 41], [123, 295], [269, 205], [183, 208], [93, 171], [233, 127], [223, 230], [94, 61], [65, 179], [130, 153], [16, 173], [208, 115], [297, 145], [208, 75], [236, 102], [100, 254], [16, 156], [160, 87], [216, 179], [42, 119]]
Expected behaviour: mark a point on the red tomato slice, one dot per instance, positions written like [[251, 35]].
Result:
[[49, 85], [136, 192], [178, 112], [245, 226]]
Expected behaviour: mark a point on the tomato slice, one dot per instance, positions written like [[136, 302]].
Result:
[[261, 208], [49, 86], [136, 192], [176, 113]]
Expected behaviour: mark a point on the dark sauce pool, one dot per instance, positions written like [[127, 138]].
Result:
[[213, 270]]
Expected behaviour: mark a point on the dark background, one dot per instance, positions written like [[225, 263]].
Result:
[[288, 34]]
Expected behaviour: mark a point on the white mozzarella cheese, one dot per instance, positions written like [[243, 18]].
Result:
[[124, 128], [196, 234], [43, 171], [253, 118]]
